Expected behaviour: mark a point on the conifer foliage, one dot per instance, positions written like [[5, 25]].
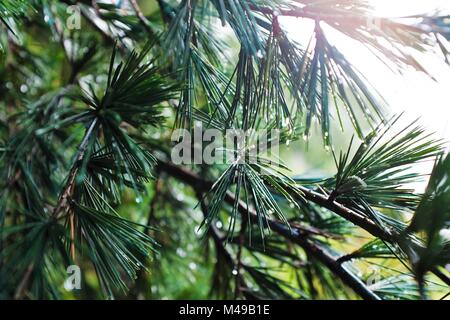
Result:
[[91, 92]]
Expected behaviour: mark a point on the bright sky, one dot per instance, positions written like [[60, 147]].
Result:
[[413, 92], [395, 8]]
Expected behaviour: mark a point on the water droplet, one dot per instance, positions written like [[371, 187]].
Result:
[[181, 252], [180, 197], [445, 234], [192, 266], [234, 272]]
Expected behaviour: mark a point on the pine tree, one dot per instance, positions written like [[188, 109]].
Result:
[[88, 179]]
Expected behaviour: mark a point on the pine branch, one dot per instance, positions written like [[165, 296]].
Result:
[[66, 192], [358, 218], [292, 234], [62, 204], [276, 82]]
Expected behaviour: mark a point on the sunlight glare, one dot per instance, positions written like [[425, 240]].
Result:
[[397, 8], [416, 94]]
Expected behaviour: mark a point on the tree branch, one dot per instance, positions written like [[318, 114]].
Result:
[[295, 235], [67, 190], [357, 218], [141, 17], [218, 242]]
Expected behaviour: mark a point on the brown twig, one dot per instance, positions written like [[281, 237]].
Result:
[[220, 247], [145, 23], [153, 202], [20, 290], [68, 188]]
